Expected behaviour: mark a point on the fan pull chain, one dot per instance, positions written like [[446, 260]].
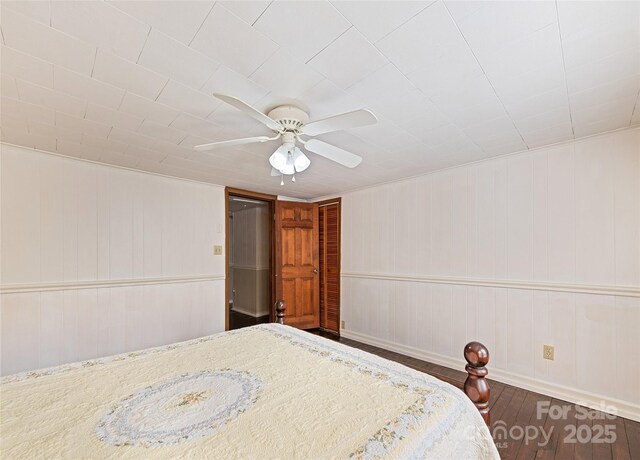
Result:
[[282, 179]]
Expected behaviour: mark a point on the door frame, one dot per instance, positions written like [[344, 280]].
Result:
[[271, 200], [323, 203]]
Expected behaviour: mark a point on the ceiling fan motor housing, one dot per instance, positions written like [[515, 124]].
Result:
[[290, 117], [289, 138]]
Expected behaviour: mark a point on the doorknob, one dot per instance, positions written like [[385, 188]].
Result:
[[315, 270]]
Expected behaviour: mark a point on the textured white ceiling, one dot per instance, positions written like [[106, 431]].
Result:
[[130, 83]]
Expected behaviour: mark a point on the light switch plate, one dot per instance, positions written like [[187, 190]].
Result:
[[217, 250]]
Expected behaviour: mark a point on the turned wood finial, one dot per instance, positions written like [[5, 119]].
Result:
[[280, 308], [476, 386]]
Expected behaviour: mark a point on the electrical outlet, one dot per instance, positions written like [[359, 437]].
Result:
[[342, 323], [217, 250], [547, 352]]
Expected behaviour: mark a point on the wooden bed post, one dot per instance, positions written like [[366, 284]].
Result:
[[280, 308], [476, 386]]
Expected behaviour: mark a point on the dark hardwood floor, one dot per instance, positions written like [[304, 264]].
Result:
[[523, 429], [238, 320]]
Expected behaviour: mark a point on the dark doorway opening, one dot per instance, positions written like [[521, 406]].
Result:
[[249, 290]]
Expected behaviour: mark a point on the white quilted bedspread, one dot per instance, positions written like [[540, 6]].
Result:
[[268, 391]]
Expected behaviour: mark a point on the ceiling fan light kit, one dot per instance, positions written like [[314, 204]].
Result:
[[289, 122], [289, 159]]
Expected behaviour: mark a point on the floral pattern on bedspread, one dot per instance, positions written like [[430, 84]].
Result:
[[186, 398], [179, 409], [64, 368], [430, 399]]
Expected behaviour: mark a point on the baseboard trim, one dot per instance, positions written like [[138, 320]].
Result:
[[623, 408], [623, 291], [248, 313], [72, 285]]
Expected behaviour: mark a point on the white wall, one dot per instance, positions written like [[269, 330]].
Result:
[[530, 249], [251, 238], [98, 260]]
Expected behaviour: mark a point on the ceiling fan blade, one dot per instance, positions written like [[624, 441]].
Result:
[[347, 120], [246, 140], [251, 111], [275, 172], [333, 153]]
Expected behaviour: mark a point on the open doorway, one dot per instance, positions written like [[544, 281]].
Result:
[[249, 258]]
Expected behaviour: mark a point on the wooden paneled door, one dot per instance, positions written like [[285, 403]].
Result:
[[329, 216], [297, 263]]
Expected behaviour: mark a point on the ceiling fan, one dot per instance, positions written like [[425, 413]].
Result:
[[289, 122]]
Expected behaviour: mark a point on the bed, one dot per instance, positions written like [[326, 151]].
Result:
[[268, 391]]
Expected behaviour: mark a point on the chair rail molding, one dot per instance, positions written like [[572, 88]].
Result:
[[622, 291], [71, 285], [249, 267]]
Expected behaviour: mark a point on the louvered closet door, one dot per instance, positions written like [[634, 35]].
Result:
[[330, 267], [297, 270]]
